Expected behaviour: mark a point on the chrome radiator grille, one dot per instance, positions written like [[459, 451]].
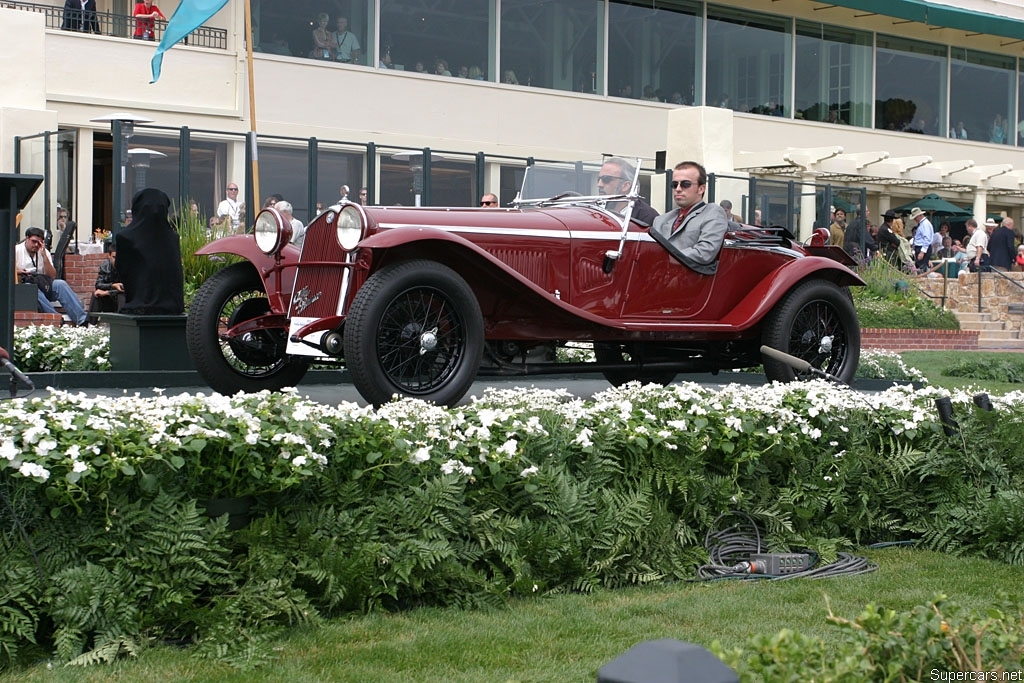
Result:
[[319, 287]]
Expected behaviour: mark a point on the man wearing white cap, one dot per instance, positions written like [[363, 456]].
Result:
[[924, 234]]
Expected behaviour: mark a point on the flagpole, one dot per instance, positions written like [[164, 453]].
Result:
[[252, 108]]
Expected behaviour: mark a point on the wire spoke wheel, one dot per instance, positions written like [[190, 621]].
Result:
[[815, 322], [414, 329]]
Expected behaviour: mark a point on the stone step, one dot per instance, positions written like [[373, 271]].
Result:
[[1000, 344], [998, 334], [972, 317], [983, 327]]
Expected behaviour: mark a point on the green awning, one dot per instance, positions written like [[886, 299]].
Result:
[[934, 14]]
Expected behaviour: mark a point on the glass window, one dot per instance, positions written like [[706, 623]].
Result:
[[653, 54], [294, 27], [205, 157], [444, 37], [552, 44], [748, 62], [833, 74], [452, 181], [1020, 104], [285, 170], [981, 97], [910, 86]]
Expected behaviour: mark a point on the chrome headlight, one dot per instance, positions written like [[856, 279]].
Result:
[[272, 231], [350, 227]]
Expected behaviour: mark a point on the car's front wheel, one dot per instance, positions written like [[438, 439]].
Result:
[[816, 322], [250, 362], [414, 329]]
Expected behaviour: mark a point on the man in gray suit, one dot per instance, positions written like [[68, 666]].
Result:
[[694, 231]]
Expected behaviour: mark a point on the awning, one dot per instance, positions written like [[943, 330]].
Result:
[[940, 15]]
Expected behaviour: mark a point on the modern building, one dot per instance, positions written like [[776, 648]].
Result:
[[897, 98]]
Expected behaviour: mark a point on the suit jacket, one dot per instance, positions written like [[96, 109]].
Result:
[[698, 240], [78, 19], [644, 212]]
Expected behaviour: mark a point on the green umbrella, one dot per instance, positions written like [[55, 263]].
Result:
[[933, 203]]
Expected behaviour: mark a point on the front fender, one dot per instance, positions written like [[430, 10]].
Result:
[[772, 288], [277, 274]]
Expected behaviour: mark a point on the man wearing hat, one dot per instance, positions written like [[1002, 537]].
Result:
[[888, 243], [924, 235], [1001, 245]]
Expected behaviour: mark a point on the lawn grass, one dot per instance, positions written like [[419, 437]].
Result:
[[931, 364], [566, 638]]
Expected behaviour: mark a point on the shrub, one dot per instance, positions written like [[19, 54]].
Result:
[[890, 301]]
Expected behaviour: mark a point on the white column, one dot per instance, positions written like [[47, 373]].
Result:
[[980, 205]]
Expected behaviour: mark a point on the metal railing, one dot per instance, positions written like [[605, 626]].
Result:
[[117, 25], [996, 274]]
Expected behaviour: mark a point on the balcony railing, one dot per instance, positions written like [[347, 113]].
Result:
[[118, 25]]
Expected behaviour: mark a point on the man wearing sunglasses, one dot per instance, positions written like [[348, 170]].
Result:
[[694, 231], [30, 258], [489, 200], [616, 177]]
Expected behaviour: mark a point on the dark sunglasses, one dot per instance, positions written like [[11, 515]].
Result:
[[608, 178], [487, 203], [687, 184]]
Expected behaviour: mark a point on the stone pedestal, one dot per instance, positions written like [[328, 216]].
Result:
[[147, 342]]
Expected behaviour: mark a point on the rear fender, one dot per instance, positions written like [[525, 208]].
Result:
[[771, 289], [278, 275]]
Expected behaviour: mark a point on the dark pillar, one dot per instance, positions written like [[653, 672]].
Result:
[[15, 192]]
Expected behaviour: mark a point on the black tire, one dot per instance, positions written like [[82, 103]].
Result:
[[816, 322], [615, 352], [414, 329], [250, 364]]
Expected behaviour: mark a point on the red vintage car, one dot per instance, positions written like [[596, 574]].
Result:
[[420, 301]]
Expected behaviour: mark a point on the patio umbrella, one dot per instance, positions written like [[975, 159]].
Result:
[[934, 204]]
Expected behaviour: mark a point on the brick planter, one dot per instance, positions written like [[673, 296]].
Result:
[[919, 340]]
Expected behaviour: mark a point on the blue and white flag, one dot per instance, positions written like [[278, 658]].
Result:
[[190, 15]]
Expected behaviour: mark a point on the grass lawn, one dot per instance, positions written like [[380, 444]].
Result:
[[931, 364], [566, 638]]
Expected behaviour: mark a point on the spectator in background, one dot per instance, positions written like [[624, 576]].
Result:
[[364, 195], [855, 236], [886, 238], [30, 258], [489, 200], [757, 217], [345, 44], [229, 211], [269, 201], [385, 60], [1001, 246], [977, 248], [1020, 258], [148, 258], [441, 68], [145, 14], [729, 215], [80, 15], [323, 40], [837, 231], [510, 77], [298, 229], [939, 236], [999, 133], [108, 293], [923, 237]]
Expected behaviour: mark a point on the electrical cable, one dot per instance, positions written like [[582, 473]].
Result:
[[730, 550]]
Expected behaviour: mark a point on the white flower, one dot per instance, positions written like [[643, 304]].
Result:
[[528, 472], [31, 469], [299, 461], [422, 454], [8, 450], [79, 466], [583, 438]]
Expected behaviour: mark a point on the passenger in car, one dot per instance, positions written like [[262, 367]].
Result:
[[616, 177], [694, 231]]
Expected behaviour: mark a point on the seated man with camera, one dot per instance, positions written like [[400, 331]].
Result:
[[32, 264]]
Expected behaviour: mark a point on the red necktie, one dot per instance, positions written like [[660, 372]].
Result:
[[678, 221]]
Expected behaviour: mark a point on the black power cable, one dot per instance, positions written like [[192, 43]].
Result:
[[730, 550]]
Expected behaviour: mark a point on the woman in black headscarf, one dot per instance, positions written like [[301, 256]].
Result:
[[149, 258]]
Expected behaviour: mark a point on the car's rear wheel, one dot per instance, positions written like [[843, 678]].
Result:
[[254, 361], [414, 329], [816, 322], [617, 352]]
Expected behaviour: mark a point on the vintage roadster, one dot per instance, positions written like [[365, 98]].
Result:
[[420, 301]]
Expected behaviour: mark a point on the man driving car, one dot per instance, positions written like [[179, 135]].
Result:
[[616, 178]]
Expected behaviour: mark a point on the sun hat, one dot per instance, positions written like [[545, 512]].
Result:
[[889, 214], [915, 212], [990, 222]]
